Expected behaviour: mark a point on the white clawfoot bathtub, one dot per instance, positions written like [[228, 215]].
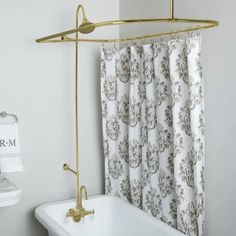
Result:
[[113, 217]]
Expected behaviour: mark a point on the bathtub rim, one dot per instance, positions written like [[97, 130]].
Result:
[[56, 229]]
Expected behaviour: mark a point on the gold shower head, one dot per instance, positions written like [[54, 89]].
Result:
[[86, 27]]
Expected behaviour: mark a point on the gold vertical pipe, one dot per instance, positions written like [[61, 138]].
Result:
[[77, 112], [172, 9]]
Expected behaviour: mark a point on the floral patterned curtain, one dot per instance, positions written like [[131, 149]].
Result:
[[153, 129]]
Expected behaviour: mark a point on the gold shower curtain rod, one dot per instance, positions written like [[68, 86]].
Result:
[[87, 27]]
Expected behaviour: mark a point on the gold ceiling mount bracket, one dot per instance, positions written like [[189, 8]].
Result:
[[172, 9]]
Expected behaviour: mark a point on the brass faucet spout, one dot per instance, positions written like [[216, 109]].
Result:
[[82, 189]]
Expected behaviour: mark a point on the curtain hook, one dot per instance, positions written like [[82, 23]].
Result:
[[115, 47], [161, 39], [199, 33], [103, 46], [188, 33]]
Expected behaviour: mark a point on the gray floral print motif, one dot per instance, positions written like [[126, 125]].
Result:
[[173, 44], [165, 183], [199, 65], [113, 128], [153, 202], [156, 48], [104, 109], [135, 153], [129, 110], [123, 68], [169, 116], [166, 220], [165, 67], [134, 112], [151, 116], [103, 69], [178, 143], [148, 70], [152, 104], [139, 50], [191, 45], [179, 194], [142, 91], [162, 92], [115, 167], [125, 189], [145, 178], [197, 150], [202, 178], [201, 126], [136, 192], [152, 158], [143, 133], [189, 219], [200, 202], [109, 54], [110, 87], [106, 148], [195, 94], [164, 139], [187, 170], [170, 165], [173, 208], [124, 149], [123, 109], [182, 66], [184, 119], [135, 68], [108, 187], [176, 92]]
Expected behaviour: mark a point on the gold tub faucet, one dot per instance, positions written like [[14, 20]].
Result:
[[78, 213]]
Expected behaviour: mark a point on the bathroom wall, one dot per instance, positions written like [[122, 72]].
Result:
[[219, 52], [37, 84]]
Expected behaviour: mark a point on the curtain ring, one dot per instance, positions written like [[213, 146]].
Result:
[[188, 34], [161, 39], [199, 33], [103, 46], [114, 47]]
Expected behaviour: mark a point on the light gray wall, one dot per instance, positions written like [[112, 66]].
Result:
[[36, 83], [219, 50]]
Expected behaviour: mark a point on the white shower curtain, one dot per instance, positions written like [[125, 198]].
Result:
[[153, 129]]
